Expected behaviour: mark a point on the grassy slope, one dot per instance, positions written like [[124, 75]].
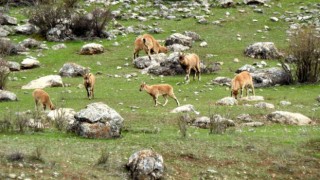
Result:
[[272, 150]]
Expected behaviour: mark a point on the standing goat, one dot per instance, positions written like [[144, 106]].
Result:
[[241, 81], [42, 98], [190, 62], [157, 90], [149, 44], [88, 82]]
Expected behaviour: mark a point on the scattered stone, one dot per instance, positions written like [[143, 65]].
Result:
[[97, 120], [262, 50], [244, 118], [26, 29], [178, 38], [227, 101], [43, 82], [59, 46], [30, 43], [253, 98], [194, 36], [177, 48], [246, 67], [255, 2], [226, 3], [223, 81], [270, 77], [253, 124], [146, 164], [91, 48], [264, 105], [289, 118], [7, 96], [14, 66], [185, 109], [29, 63], [202, 122], [72, 70], [285, 103], [274, 19], [8, 20], [203, 44]]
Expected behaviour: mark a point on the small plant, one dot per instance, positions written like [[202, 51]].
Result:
[[37, 154], [21, 122], [104, 157], [4, 74], [60, 121], [305, 48], [217, 125], [183, 123]]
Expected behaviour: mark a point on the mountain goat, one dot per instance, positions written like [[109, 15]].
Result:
[[190, 62], [88, 82], [149, 44], [241, 81], [157, 90], [42, 98]]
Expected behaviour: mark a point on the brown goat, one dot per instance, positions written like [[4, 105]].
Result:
[[157, 90], [88, 82], [151, 45], [241, 81], [42, 98], [190, 62]]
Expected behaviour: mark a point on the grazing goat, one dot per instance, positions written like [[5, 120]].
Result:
[[42, 98], [88, 82], [241, 81], [190, 62], [149, 45], [157, 90]]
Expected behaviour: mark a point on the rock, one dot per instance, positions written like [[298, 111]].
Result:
[[262, 50], [264, 105], [227, 101], [253, 124], [226, 3], [289, 118], [285, 103], [144, 62], [185, 109], [194, 36], [14, 66], [246, 67], [223, 81], [7, 96], [203, 44], [30, 43], [244, 118], [318, 98], [253, 98], [29, 63], [274, 19], [65, 114], [92, 48], [178, 38], [26, 29], [4, 32], [97, 120], [59, 33], [8, 20], [177, 48], [43, 82], [72, 70], [254, 2], [146, 164], [202, 122], [270, 77], [59, 46]]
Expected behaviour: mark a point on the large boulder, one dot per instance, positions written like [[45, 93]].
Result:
[[97, 120], [145, 164], [144, 61], [262, 50], [30, 43], [59, 33], [91, 48], [7, 20], [26, 29], [193, 35], [4, 32], [14, 66], [43, 82], [178, 38], [270, 77], [7, 96], [71, 70], [289, 118]]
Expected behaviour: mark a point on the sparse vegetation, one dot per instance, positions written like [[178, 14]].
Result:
[[4, 73]]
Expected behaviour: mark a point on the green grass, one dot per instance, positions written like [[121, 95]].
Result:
[[271, 151]]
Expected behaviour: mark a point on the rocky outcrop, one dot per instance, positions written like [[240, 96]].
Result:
[[43, 82]]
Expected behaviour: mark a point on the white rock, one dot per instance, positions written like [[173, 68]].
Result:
[[290, 118], [184, 109]]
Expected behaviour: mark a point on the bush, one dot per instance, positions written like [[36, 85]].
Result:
[[7, 48], [305, 48], [16, 2], [4, 73]]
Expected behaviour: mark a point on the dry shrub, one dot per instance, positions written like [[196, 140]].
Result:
[[37, 154], [4, 73], [104, 157], [305, 48], [183, 124], [7, 48], [15, 156]]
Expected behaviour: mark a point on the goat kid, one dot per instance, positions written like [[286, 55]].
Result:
[[190, 62], [157, 90], [152, 45], [88, 82], [42, 98], [240, 82]]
